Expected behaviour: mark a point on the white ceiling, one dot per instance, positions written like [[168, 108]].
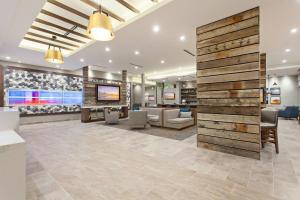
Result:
[[179, 17]]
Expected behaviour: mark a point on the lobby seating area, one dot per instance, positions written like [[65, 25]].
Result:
[[150, 100]]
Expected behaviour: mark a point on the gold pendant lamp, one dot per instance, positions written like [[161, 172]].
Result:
[[100, 27], [53, 54]]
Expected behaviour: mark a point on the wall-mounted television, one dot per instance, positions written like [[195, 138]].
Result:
[[151, 98], [169, 96], [108, 93]]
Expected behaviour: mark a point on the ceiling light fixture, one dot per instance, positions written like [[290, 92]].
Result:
[[288, 50], [137, 53], [156, 29], [107, 49], [100, 26], [53, 54], [162, 62], [182, 38], [294, 30], [81, 60], [7, 58], [284, 61], [136, 67], [110, 61]]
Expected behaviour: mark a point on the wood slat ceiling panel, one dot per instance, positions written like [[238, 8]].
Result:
[[59, 16]]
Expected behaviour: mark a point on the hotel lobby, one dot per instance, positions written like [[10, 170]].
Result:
[[150, 99]]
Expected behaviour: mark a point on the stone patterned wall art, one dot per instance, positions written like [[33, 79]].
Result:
[[27, 79]]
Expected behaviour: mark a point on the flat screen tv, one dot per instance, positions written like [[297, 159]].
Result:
[[108, 93], [169, 96], [151, 98]]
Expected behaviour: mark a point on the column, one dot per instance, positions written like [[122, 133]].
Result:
[[143, 90], [124, 88]]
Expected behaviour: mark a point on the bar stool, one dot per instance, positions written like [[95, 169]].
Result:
[[269, 126]]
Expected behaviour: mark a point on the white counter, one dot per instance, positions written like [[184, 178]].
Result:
[[9, 119], [12, 166]]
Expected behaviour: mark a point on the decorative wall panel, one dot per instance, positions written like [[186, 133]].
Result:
[[228, 85], [89, 88], [39, 92]]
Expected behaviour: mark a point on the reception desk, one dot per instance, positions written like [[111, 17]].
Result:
[[12, 166], [96, 113], [9, 119]]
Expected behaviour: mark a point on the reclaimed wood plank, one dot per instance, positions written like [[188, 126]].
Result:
[[229, 53], [229, 20], [229, 102], [229, 69], [230, 143], [228, 37], [229, 45], [229, 126], [246, 137], [230, 28], [230, 150], [230, 110], [241, 119], [237, 85], [229, 94], [249, 58], [229, 77]]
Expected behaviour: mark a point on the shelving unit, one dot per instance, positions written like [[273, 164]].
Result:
[[189, 94]]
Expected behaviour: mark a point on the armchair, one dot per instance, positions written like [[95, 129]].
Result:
[[289, 112]]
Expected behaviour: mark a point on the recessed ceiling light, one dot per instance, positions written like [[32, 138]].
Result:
[[137, 53], [294, 30], [136, 67], [284, 61], [179, 78], [288, 50], [7, 58], [162, 62], [107, 49], [182, 38], [156, 29], [119, 72], [110, 61], [164, 80], [81, 60]]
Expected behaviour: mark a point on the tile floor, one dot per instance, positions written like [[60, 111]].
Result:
[[74, 161]]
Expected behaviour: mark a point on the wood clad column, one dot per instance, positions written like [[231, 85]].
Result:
[[263, 81], [1, 86], [124, 87], [86, 91], [228, 83]]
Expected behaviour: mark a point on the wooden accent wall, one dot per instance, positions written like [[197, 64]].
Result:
[[263, 80], [228, 85], [124, 87], [1, 86]]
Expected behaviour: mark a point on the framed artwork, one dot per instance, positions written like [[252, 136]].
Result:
[[275, 100], [275, 91]]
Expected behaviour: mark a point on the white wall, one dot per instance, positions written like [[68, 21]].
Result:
[[289, 89]]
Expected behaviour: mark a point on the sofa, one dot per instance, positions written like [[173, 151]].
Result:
[[138, 119], [289, 112], [155, 116], [172, 119]]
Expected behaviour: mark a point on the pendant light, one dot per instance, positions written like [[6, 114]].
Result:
[[100, 27], [53, 54]]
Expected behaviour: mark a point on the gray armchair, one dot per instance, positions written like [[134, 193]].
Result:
[[138, 119], [111, 117]]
